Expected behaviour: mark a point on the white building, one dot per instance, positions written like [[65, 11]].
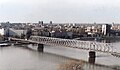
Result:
[[106, 29], [2, 31], [13, 32]]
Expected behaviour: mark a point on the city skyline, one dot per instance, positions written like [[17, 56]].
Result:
[[60, 11]]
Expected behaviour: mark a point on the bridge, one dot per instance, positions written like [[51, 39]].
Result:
[[92, 47]]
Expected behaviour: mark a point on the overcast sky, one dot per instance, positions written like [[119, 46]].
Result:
[[60, 10]]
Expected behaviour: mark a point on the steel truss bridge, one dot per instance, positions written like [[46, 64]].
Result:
[[78, 44]]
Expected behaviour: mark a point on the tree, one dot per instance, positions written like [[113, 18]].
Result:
[[28, 33], [22, 36]]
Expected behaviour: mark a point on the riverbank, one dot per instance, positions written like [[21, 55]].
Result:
[[105, 39]]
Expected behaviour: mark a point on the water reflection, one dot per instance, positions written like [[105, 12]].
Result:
[[91, 60]]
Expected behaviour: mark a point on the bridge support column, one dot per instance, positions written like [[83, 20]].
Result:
[[92, 55], [40, 47]]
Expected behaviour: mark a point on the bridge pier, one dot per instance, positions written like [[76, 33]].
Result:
[[92, 56], [40, 47]]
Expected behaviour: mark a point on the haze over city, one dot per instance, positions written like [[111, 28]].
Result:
[[60, 10]]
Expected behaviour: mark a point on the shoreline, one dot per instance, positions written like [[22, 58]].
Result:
[[110, 39]]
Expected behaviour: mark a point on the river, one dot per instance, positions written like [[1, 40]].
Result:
[[22, 58]]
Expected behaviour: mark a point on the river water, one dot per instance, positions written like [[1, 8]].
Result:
[[21, 58]]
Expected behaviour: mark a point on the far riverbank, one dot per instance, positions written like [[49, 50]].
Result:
[[105, 39]]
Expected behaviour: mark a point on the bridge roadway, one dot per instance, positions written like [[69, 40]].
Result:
[[85, 45]]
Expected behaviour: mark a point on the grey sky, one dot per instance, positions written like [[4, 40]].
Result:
[[60, 10]]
